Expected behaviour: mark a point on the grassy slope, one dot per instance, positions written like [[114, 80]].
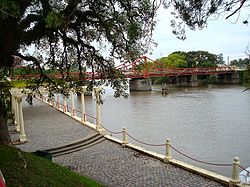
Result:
[[25, 169]]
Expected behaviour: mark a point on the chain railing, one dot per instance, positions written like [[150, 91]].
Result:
[[168, 156], [200, 161], [112, 132], [148, 144]]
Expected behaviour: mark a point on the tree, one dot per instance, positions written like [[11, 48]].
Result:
[[74, 30], [176, 59], [191, 59], [203, 59], [4, 105], [241, 63], [196, 13], [68, 32]]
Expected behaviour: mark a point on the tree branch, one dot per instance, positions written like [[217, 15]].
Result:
[[236, 10], [28, 20], [7, 13]]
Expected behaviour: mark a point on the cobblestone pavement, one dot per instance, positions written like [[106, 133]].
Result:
[[107, 162], [46, 127]]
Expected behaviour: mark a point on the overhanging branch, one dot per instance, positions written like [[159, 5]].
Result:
[[236, 10]]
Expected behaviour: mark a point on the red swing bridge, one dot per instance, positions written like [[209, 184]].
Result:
[[143, 68], [140, 70]]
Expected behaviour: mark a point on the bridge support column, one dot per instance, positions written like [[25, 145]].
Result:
[[21, 122], [187, 80], [228, 78], [84, 88], [140, 85]]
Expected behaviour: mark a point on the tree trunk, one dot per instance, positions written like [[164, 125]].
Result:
[[4, 133], [4, 102]]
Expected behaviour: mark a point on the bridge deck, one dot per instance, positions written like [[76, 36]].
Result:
[[107, 161]]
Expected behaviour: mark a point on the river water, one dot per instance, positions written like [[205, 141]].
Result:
[[210, 123]]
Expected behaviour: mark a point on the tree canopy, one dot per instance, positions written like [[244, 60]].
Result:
[[176, 59], [192, 59], [61, 35], [89, 34], [241, 63], [196, 13]]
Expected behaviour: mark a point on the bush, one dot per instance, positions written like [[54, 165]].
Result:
[[212, 79], [159, 80]]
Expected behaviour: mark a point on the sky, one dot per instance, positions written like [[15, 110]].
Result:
[[220, 36]]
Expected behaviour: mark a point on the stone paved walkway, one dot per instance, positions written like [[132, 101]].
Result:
[[107, 162]]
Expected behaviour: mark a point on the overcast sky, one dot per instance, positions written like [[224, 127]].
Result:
[[220, 36]]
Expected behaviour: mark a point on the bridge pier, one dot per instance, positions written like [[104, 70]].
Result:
[[187, 80], [140, 84], [228, 78]]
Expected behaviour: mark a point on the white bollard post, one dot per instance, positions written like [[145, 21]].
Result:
[[83, 103], [64, 104], [49, 100], [12, 103], [17, 118], [53, 101], [124, 137], [235, 172], [14, 108], [58, 102], [98, 108], [20, 110], [168, 151], [73, 103], [43, 97]]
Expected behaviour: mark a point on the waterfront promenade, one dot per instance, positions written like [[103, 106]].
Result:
[[107, 162]]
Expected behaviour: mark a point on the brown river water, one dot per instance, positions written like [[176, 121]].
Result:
[[210, 123]]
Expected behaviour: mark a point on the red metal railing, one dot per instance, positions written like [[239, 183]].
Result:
[[141, 68]]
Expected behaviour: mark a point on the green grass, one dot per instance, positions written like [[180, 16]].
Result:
[[26, 169]]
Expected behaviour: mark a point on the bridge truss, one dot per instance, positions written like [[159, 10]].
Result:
[[145, 67]]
